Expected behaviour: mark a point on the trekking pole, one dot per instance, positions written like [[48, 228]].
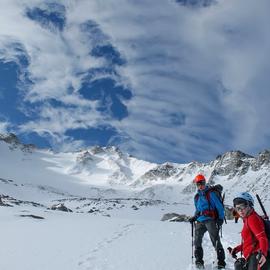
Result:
[[220, 228], [263, 209], [192, 242]]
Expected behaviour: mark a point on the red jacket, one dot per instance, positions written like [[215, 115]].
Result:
[[253, 236]]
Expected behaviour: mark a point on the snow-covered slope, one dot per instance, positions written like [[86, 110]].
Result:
[[107, 172], [85, 242], [113, 203]]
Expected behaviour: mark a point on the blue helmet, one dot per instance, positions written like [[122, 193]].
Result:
[[243, 197]]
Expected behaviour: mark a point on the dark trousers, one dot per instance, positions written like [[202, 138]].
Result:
[[213, 230], [252, 264]]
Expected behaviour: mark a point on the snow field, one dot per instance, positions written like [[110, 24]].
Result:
[[79, 241]]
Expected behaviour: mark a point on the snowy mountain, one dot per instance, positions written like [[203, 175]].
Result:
[[106, 171], [78, 210]]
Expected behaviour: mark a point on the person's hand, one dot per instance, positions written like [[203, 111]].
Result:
[[233, 252], [261, 259], [219, 222], [192, 219]]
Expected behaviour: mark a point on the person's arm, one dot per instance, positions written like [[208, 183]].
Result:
[[237, 249], [256, 226]]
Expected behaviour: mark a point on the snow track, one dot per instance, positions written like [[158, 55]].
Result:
[[91, 262], [73, 241]]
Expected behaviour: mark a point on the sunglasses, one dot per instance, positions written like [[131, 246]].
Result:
[[202, 183], [241, 207]]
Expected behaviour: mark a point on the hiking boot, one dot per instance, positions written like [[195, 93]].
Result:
[[199, 265], [221, 264]]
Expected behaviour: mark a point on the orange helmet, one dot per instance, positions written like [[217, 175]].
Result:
[[199, 178]]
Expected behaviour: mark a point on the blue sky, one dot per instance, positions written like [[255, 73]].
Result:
[[165, 80]]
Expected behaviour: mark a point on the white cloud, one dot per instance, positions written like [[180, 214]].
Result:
[[177, 65], [4, 127], [56, 59], [207, 66], [58, 120]]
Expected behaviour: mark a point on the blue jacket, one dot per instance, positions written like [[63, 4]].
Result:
[[202, 205]]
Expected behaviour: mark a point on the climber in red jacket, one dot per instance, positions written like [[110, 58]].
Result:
[[254, 244]]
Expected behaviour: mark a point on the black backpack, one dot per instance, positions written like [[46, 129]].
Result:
[[267, 231]]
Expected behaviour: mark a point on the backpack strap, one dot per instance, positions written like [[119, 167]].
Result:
[[207, 196], [209, 212]]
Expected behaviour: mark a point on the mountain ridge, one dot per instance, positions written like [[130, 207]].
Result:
[[110, 168]]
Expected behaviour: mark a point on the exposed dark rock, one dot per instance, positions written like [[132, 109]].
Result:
[[174, 217], [231, 164], [12, 200], [262, 159], [15, 143], [4, 204], [85, 158], [162, 171], [93, 210], [6, 181], [191, 188], [115, 149], [32, 216], [134, 207], [97, 149], [60, 207], [10, 138]]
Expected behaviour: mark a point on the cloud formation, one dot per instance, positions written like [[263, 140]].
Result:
[[191, 80], [3, 127]]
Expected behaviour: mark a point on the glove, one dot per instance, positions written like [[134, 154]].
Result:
[[233, 252], [192, 219], [261, 258], [219, 222]]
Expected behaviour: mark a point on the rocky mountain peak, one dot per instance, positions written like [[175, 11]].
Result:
[[115, 150], [97, 150], [264, 157], [162, 171], [10, 138], [109, 166], [232, 163], [107, 149], [84, 157], [13, 141], [233, 155]]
